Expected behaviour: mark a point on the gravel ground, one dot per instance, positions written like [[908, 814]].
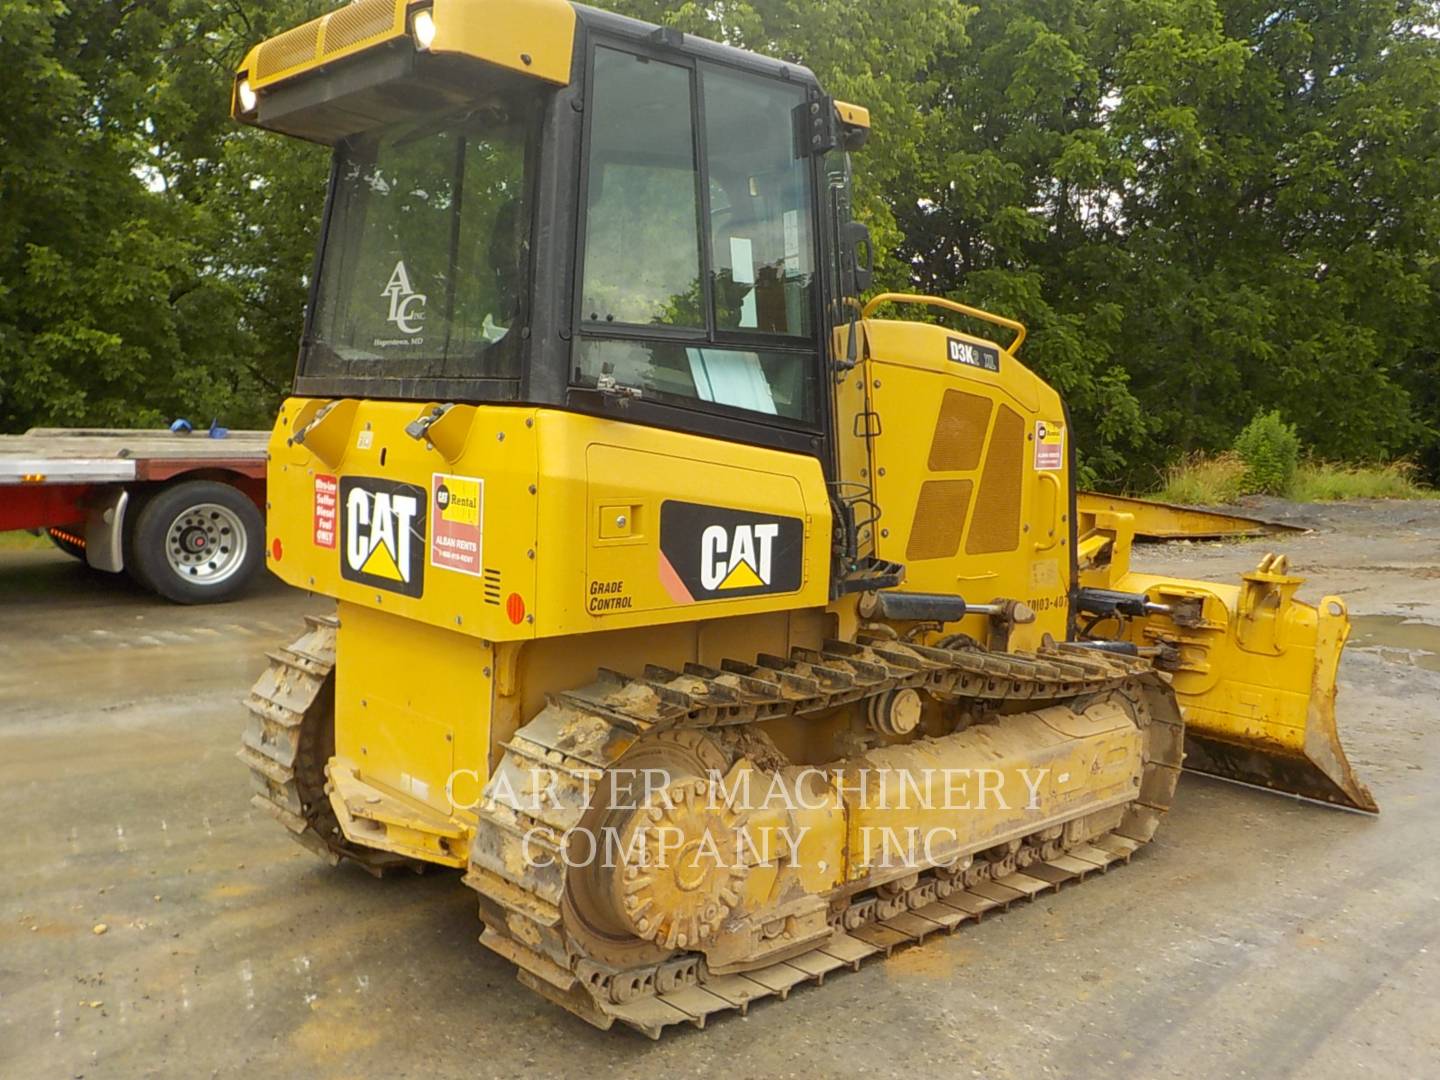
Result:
[[1257, 936]]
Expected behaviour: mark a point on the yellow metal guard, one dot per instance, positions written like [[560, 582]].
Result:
[[1255, 672]]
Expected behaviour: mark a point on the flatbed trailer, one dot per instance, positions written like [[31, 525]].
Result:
[[182, 514]]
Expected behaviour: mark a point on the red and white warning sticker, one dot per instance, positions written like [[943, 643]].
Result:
[[1049, 445], [327, 494], [457, 505]]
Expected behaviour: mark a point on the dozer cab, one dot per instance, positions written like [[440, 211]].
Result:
[[720, 631]]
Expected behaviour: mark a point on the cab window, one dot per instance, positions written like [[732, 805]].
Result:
[[760, 229], [642, 241], [426, 255], [697, 290]]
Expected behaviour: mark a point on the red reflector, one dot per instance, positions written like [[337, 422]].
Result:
[[276, 550], [515, 607]]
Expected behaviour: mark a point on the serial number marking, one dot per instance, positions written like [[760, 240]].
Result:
[[1048, 603]]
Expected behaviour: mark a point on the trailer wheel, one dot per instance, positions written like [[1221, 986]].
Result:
[[198, 542]]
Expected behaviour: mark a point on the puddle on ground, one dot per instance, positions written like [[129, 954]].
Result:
[[1397, 639]]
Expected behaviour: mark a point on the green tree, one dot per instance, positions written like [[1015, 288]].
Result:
[[136, 280], [1203, 209]]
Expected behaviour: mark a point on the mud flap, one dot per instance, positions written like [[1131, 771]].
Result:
[[1254, 669]]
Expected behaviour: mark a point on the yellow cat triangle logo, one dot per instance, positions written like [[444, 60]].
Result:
[[743, 576], [381, 564]]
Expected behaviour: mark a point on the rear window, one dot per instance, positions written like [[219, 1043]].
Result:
[[426, 255]]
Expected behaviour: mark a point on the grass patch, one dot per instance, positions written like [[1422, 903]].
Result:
[[1318, 482], [1215, 481], [19, 540], [1204, 481]]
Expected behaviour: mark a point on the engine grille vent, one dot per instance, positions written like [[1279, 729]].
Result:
[[959, 432], [996, 524], [358, 22], [362, 23], [939, 519], [290, 49]]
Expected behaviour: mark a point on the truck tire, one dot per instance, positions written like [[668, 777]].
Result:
[[196, 542]]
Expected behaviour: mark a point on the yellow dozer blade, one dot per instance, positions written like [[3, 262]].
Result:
[[1169, 521], [1253, 667]]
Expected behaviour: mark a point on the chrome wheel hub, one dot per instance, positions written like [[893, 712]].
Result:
[[205, 544]]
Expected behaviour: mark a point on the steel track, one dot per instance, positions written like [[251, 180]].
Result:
[[582, 733], [290, 738]]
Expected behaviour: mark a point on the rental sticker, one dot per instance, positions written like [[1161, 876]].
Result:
[[457, 517], [1049, 445]]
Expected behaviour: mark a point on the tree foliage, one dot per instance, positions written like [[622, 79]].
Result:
[[152, 256], [1204, 209]]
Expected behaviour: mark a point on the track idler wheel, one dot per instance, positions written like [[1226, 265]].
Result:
[[681, 874]]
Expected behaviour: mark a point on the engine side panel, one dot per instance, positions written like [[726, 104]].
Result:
[[971, 470], [644, 526]]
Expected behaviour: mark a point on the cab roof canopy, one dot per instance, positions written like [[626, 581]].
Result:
[[374, 62]]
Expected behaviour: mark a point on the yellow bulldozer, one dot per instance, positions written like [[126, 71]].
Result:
[[722, 632]]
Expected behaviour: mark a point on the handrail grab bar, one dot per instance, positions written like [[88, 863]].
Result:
[[950, 305]]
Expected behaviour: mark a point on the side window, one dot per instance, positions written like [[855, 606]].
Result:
[[642, 240], [760, 229], [719, 320]]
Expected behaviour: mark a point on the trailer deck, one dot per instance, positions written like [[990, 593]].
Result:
[[97, 455], [93, 491]]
